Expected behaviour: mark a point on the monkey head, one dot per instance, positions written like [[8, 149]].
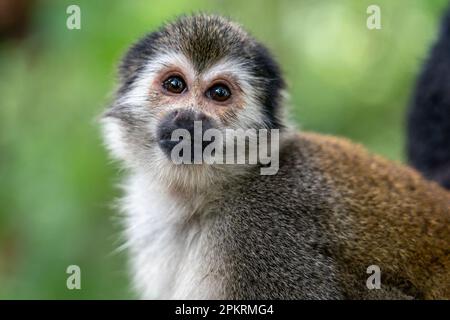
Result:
[[198, 68]]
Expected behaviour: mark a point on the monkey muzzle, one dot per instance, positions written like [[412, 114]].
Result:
[[184, 126]]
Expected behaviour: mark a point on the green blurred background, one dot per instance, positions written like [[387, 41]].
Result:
[[56, 182]]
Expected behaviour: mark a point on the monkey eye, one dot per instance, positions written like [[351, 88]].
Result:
[[219, 92], [174, 84]]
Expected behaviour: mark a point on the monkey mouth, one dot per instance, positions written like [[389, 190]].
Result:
[[181, 132], [189, 151], [189, 137]]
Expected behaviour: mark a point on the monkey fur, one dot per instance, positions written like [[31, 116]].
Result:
[[308, 232], [429, 114]]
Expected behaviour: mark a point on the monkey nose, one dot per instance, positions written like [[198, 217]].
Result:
[[189, 120]]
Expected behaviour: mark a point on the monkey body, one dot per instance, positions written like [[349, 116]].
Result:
[[309, 232]]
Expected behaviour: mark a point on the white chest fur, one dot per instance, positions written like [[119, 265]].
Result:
[[168, 250]]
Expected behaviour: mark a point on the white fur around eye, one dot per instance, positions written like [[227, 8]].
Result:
[[138, 94], [251, 113]]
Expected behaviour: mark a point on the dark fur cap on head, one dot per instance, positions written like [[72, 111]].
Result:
[[205, 40]]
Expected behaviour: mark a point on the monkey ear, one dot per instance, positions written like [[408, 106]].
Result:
[[135, 58], [110, 112]]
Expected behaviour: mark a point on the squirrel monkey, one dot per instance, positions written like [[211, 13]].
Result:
[[311, 230]]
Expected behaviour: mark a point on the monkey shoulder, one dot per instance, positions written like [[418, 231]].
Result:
[[333, 206]]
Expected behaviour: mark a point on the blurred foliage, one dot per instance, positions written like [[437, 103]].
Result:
[[57, 183]]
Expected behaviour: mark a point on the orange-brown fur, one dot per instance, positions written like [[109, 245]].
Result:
[[394, 217]]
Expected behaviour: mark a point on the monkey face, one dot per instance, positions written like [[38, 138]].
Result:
[[199, 68], [179, 96]]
